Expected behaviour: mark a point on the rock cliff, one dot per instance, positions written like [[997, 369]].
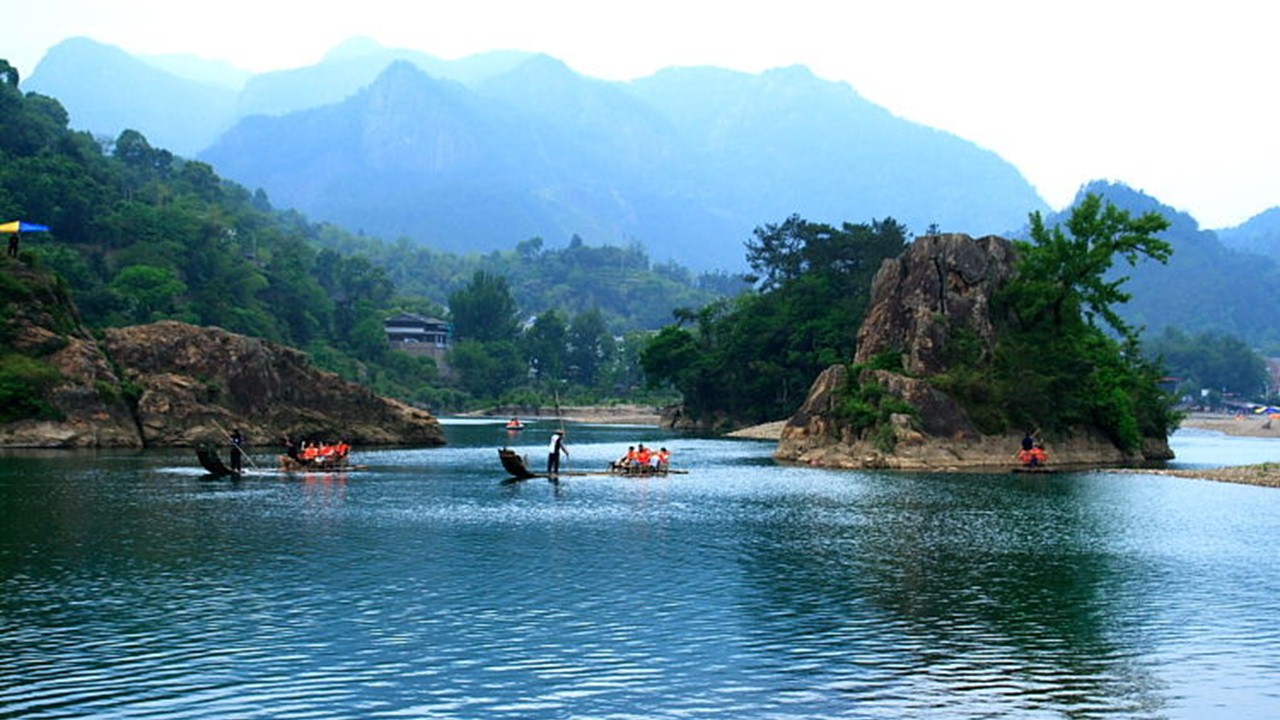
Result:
[[173, 384], [194, 382], [941, 285]]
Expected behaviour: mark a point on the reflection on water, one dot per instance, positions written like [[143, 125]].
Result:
[[130, 585]]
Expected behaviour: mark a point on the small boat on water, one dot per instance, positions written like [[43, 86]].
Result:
[[514, 425], [209, 459], [518, 469]]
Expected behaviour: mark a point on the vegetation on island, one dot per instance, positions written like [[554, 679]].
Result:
[[1064, 357], [752, 358]]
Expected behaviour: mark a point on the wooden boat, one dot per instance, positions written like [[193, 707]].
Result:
[[516, 467], [210, 461]]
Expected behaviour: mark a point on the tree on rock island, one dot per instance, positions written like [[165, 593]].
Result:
[[1055, 367]]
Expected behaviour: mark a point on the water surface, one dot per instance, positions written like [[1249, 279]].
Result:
[[131, 586]]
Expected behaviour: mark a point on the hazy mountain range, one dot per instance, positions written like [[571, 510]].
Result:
[[481, 153]]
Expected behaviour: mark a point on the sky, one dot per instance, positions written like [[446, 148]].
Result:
[[1174, 99]]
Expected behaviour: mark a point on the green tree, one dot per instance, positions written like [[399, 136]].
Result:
[[1063, 275], [546, 345], [1054, 367], [591, 345], [1210, 360], [752, 358], [484, 310], [487, 370], [147, 292]]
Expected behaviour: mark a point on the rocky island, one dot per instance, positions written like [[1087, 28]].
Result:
[[936, 295]]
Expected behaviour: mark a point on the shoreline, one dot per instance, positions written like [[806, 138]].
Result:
[[1263, 475]]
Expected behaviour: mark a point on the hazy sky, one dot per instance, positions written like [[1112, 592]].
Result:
[[1175, 99]]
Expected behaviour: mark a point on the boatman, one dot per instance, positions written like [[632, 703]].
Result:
[[553, 453], [237, 450]]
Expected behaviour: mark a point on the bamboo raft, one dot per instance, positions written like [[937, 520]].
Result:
[[516, 467]]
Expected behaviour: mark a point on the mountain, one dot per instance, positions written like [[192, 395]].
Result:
[[105, 90], [1259, 234], [352, 66], [688, 163], [1205, 285], [481, 153]]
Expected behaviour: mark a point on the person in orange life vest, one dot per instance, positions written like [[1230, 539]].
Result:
[[627, 460], [1038, 455]]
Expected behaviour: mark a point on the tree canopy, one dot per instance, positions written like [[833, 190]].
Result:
[[753, 357], [1054, 368]]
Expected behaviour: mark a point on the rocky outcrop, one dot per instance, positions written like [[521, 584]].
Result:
[[193, 383], [173, 384], [940, 284], [939, 288], [86, 403]]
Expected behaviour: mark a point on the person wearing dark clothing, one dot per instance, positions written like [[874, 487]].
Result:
[[237, 451], [14, 239], [553, 453]]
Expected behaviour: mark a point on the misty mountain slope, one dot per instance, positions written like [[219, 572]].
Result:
[[786, 141], [687, 164], [1259, 234], [352, 66], [106, 91], [1205, 285], [409, 155]]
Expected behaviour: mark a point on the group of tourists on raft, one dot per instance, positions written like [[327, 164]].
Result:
[[641, 460], [1032, 454], [315, 454]]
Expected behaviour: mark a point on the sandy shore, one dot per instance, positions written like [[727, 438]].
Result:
[[1239, 425]]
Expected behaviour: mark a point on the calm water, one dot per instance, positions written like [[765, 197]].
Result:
[[425, 587]]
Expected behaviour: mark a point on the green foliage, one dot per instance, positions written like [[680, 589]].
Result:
[[865, 406], [484, 310], [1065, 275], [753, 357], [23, 384], [1053, 367], [1209, 360]]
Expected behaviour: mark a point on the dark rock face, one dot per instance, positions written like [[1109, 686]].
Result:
[[197, 382], [190, 383], [40, 321], [939, 286]]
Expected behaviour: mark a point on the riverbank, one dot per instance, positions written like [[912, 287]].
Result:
[[598, 414], [1261, 426]]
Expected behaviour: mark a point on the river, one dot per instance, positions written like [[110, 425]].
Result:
[[424, 586]]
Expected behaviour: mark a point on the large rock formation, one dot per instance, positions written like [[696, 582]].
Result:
[[938, 287], [196, 382], [173, 384]]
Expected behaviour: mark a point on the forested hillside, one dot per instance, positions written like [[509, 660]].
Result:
[[140, 235]]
